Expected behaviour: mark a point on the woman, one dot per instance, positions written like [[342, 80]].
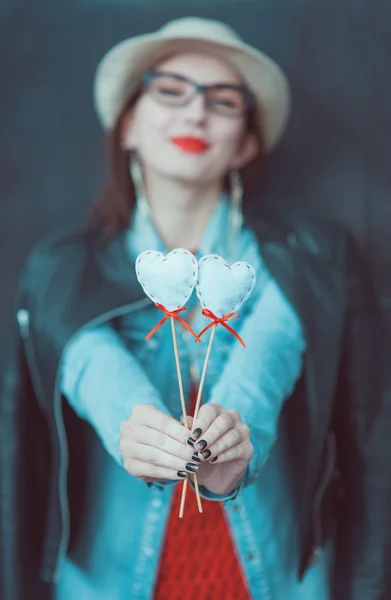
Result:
[[191, 111]]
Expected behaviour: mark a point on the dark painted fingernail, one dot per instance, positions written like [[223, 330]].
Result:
[[195, 457], [190, 441], [182, 474], [192, 467], [196, 433], [202, 445], [214, 459], [205, 454]]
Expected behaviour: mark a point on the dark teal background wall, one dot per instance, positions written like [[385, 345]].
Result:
[[335, 158]]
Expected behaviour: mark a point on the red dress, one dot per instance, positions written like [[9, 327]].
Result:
[[199, 559]]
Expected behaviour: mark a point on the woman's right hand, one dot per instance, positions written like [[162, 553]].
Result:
[[154, 446]]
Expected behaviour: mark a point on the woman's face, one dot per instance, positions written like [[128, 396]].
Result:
[[159, 132]]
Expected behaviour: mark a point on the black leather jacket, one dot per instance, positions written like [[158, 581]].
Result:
[[338, 420]]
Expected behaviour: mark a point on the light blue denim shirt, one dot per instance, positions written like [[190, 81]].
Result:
[[107, 371]]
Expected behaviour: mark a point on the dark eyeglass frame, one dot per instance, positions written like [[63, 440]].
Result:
[[203, 89]]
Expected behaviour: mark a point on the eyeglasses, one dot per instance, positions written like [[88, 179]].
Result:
[[228, 100]]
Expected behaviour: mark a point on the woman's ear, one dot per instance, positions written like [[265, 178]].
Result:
[[128, 138], [247, 150]]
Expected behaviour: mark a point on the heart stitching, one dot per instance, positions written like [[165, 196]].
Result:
[[169, 279], [223, 288]]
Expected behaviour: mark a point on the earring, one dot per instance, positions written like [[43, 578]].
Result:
[[236, 215], [139, 186]]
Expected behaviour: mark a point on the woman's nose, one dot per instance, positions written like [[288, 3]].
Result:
[[196, 110]]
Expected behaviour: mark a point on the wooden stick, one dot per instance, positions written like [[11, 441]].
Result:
[[178, 370], [207, 357], [197, 492], [197, 407], [182, 507], [185, 421]]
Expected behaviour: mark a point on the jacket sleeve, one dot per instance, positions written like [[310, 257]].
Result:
[[10, 398], [103, 381], [24, 469], [258, 379], [363, 424]]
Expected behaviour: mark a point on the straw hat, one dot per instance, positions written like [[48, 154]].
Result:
[[119, 71]]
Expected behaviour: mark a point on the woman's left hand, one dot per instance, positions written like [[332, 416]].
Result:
[[223, 446]]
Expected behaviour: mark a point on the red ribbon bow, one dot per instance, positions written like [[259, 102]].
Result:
[[223, 321], [167, 315]]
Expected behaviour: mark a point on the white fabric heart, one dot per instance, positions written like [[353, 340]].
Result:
[[222, 288], [167, 279]]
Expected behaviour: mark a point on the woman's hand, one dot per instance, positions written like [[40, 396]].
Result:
[[155, 446], [223, 445]]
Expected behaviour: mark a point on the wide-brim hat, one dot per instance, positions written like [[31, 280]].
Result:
[[118, 73]]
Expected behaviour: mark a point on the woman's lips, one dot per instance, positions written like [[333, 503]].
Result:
[[188, 143]]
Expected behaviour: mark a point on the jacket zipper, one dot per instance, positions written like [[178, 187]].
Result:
[[23, 318]]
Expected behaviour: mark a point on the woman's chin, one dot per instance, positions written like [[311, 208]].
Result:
[[190, 173]]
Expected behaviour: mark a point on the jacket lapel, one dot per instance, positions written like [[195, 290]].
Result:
[[309, 282]]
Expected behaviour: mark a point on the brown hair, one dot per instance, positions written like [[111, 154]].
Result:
[[112, 211]]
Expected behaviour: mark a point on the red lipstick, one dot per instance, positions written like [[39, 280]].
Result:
[[189, 143]]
